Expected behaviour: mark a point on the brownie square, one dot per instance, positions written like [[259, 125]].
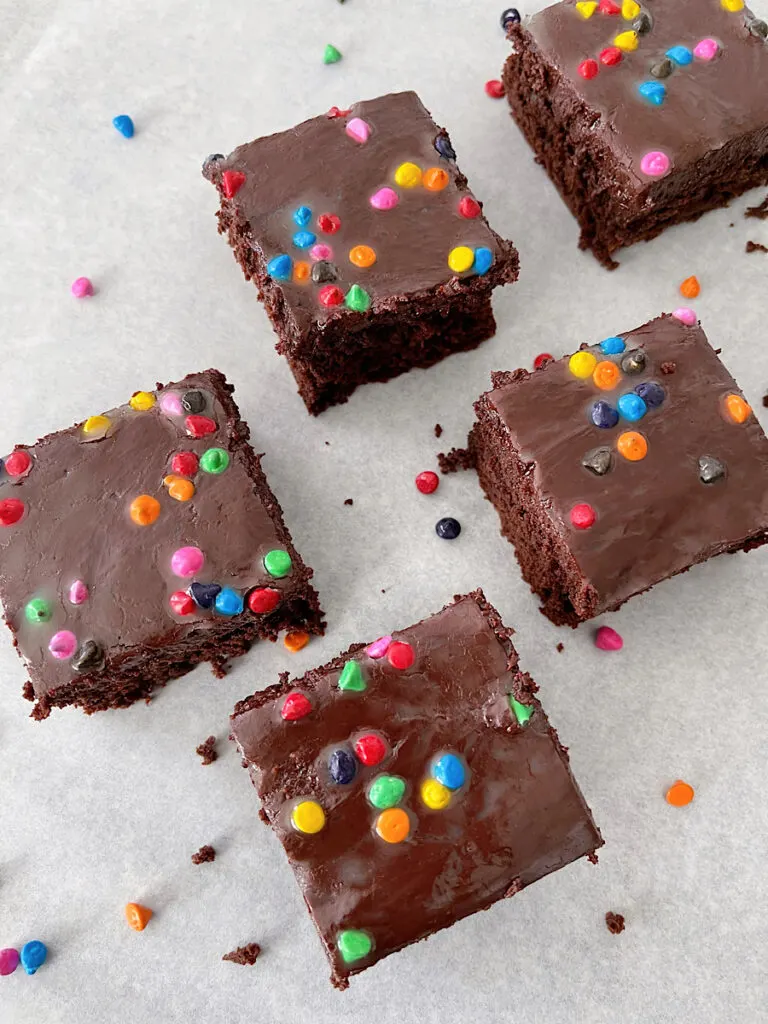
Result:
[[621, 465], [643, 115], [346, 223], [141, 542], [413, 782]]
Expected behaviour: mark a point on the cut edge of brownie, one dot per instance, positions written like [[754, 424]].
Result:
[[523, 688], [136, 672], [595, 186]]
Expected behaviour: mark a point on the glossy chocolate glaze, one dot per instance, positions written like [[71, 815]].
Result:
[[77, 526], [316, 164], [708, 103], [519, 816], [655, 517]]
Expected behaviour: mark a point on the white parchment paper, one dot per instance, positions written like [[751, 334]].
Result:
[[97, 812]]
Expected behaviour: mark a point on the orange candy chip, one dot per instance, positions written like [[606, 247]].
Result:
[[179, 487], [144, 510], [680, 794], [690, 287], [737, 408], [606, 375], [301, 271], [435, 179], [138, 917], [632, 446], [362, 256], [295, 641], [393, 825]]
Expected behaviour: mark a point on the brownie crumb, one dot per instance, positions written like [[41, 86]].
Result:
[[668, 366], [512, 889], [614, 923], [349, 501], [591, 857], [455, 459], [246, 955], [28, 691], [755, 247], [765, 401], [207, 750], [204, 855], [761, 211], [560, 648], [438, 430]]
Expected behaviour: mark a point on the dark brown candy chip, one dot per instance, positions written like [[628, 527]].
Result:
[[87, 657], [598, 461], [710, 469]]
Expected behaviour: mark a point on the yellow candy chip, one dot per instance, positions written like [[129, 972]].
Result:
[[408, 175], [582, 364], [97, 425], [732, 5], [435, 795], [308, 817], [461, 258], [626, 40], [141, 401], [586, 8], [629, 10]]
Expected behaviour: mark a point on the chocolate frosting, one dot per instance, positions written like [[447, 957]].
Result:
[[655, 517], [518, 817], [77, 527], [317, 165], [708, 103]]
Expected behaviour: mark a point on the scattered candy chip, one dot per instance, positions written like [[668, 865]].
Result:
[[9, 961], [141, 401], [690, 287], [82, 288], [400, 655], [358, 130], [232, 182], [33, 955], [296, 640], [427, 482], [124, 124], [737, 408], [331, 55], [379, 647], [607, 639], [680, 794], [295, 706], [138, 917], [495, 89], [685, 315]]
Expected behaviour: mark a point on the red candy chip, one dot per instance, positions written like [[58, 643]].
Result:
[[608, 7], [185, 463], [542, 359], [610, 56], [495, 89], [18, 463], [583, 516], [469, 208], [296, 706], [181, 603], [427, 482], [400, 655], [263, 599], [199, 426], [335, 112], [329, 223], [588, 68], [232, 182], [11, 511], [370, 749], [330, 295]]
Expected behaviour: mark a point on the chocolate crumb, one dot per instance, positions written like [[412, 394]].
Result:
[[328, 443], [761, 211], [246, 955], [438, 430], [614, 923], [28, 691], [349, 501], [262, 813], [204, 855], [755, 247], [668, 366], [765, 401], [591, 857], [455, 459], [513, 888], [560, 648], [207, 750]]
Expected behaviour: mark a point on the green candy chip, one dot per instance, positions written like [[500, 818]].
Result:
[[38, 610], [386, 791], [522, 712], [351, 677], [277, 563], [353, 945], [215, 460], [358, 299]]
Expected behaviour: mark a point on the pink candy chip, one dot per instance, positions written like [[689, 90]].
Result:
[[63, 644], [358, 130], [187, 561], [608, 639], [9, 961], [706, 49], [171, 404], [82, 288], [655, 164], [379, 647], [385, 199], [78, 592], [685, 315], [321, 251]]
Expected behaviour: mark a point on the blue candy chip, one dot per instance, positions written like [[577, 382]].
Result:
[[612, 346], [342, 767], [604, 415], [449, 770], [124, 125], [483, 260], [654, 92], [632, 407], [651, 393], [680, 55], [302, 216], [280, 267], [303, 239], [228, 602], [33, 955]]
